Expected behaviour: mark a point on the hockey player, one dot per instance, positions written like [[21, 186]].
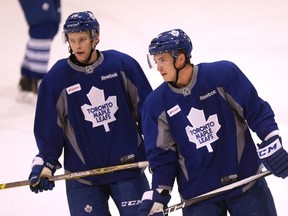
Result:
[[199, 134], [89, 107], [43, 18]]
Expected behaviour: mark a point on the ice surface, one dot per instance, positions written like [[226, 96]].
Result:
[[252, 33]]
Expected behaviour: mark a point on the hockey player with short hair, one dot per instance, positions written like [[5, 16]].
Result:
[[198, 133], [89, 106], [43, 18]]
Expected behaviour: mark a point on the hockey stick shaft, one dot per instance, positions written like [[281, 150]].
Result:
[[215, 192], [81, 174]]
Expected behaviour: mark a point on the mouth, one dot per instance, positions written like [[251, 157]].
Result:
[[79, 53]]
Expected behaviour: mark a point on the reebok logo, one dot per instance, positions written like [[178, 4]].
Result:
[[109, 76], [203, 97]]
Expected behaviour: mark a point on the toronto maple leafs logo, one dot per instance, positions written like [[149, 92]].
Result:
[[101, 111], [203, 132], [88, 208]]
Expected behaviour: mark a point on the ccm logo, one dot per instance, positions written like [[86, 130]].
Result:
[[270, 149], [131, 203]]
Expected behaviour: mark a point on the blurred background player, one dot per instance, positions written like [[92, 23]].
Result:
[[43, 18], [89, 107]]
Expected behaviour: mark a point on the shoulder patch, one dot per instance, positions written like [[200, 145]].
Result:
[[73, 88], [174, 110]]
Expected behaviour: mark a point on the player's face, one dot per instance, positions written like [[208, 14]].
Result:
[[81, 45], [165, 65]]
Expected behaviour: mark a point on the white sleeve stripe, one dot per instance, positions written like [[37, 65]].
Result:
[[273, 133]]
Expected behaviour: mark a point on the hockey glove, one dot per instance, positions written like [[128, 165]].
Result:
[[41, 171], [274, 157], [153, 202]]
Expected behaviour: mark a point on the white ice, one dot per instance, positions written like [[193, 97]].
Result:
[[252, 33]]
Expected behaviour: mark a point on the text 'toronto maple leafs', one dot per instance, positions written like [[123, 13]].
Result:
[[203, 132], [101, 111]]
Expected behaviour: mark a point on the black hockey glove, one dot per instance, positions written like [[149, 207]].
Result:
[[274, 157], [153, 202], [41, 171]]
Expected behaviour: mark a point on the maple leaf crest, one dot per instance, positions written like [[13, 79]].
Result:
[[202, 132], [101, 111]]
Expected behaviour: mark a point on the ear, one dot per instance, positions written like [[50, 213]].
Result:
[[96, 39], [181, 59]]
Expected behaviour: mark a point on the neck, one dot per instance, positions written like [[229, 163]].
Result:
[[94, 56], [185, 76]]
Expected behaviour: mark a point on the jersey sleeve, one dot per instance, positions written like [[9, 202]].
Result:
[[136, 85], [159, 144], [244, 99], [48, 120]]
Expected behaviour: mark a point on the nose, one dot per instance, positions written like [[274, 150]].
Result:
[[78, 45], [79, 42], [159, 67]]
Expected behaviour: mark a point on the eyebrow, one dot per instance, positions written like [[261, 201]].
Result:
[[159, 58], [81, 37]]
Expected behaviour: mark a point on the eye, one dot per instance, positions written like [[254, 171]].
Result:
[[71, 40], [161, 61], [82, 40]]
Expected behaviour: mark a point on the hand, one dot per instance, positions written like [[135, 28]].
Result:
[[274, 157], [153, 202], [39, 176]]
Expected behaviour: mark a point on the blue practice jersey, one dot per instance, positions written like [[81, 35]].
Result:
[[200, 133], [93, 113]]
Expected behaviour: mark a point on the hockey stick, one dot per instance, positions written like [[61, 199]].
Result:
[[215, 192], [81, 174]]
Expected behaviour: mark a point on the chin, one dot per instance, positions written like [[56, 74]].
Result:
[[166, 80], [81, 61]]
